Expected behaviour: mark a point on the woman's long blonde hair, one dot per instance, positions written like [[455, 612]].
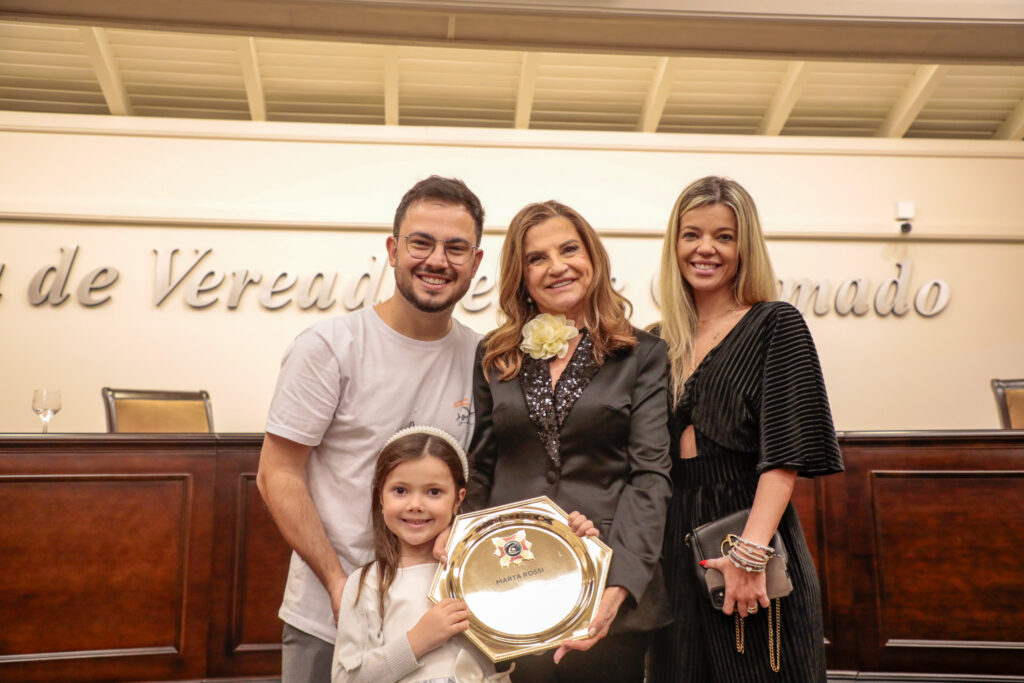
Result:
[[754, 280], [608, 311]]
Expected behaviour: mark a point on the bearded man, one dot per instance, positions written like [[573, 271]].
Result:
[[346, 385]]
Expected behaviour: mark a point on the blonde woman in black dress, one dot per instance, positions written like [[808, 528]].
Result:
[[750, 414]]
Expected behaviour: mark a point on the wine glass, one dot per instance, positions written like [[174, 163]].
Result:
[[46, 403]]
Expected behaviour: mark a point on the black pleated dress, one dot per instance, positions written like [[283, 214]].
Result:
[[757, 402]]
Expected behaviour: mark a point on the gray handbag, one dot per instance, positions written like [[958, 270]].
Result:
[[708, 541]]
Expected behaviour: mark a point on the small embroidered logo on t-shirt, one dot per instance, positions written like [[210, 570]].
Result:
[[463, 412]]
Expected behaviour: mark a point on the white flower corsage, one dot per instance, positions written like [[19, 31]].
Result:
[[547, 336]]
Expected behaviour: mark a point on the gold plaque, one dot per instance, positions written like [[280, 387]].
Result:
[[529, 581]]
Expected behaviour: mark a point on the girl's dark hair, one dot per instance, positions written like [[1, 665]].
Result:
[[386, 549]]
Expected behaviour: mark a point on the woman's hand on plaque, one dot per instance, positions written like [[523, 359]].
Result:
[[440, 542], [611, 600], [581, 526]]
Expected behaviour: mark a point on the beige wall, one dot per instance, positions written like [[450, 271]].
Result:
[[308, 198]]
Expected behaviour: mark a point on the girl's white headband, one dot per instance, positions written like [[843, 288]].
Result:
[[439, 433]]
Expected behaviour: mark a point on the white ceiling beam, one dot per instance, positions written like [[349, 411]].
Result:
[[785, 98], [253, 81], [102, 59], [657, 96], [527, 87], [1013, 127], [391, 87], [921, 86]]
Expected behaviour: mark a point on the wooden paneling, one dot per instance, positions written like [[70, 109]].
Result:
[[972, 526], [106, 558], [127, 557], [118, 544], [250, 568], [808, 499], [934, 524]]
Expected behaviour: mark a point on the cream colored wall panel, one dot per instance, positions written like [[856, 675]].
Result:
[[882, 373], [282, 185]]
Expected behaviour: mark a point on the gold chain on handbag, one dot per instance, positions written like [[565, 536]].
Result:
[[774, 635], [739, 633]]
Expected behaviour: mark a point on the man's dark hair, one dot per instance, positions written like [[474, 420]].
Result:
[[447, 190]]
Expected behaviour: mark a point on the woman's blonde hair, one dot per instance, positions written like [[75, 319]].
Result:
[[754, 280], [607, 311]]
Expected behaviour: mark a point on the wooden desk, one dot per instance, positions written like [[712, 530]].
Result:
[[152, 557], [136, 557]]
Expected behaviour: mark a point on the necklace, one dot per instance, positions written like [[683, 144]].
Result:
[[721, 329]]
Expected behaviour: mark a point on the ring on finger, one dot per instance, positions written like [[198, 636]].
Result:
[[751, 610]]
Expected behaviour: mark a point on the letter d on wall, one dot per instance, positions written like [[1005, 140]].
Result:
[[54, 292]]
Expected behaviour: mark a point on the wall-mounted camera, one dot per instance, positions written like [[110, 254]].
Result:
[[905, 216]]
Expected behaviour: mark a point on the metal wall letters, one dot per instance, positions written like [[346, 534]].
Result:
[[201, 286]]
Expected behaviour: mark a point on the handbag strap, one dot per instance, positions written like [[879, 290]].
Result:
[[774, 634]]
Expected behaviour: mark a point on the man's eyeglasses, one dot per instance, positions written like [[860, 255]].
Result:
[[421, 246]]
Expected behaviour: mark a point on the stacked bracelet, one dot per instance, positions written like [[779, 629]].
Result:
[[747, 555]]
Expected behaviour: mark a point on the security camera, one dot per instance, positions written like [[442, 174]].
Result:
[[904, 214]]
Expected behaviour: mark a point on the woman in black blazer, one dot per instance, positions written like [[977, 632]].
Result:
[[571, 402]]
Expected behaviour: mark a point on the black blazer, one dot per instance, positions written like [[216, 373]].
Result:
[[615, 465]]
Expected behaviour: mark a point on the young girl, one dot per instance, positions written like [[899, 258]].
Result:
[[387, 628]]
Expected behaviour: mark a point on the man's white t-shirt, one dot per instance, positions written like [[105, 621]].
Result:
[[346, 385]]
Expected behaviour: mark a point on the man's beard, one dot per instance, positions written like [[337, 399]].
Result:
[[406, 287]]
